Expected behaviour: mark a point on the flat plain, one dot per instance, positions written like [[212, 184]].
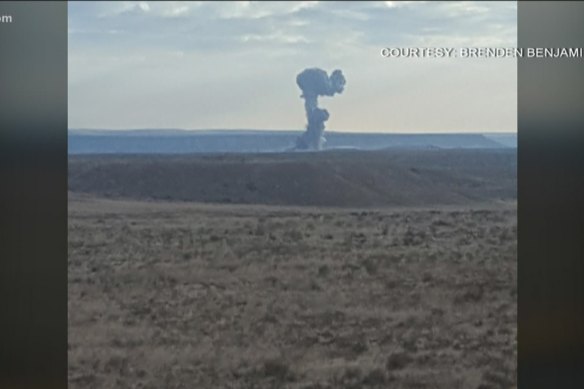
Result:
[[195, 292]]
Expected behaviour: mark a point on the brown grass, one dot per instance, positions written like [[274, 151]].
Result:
[[165, 295]]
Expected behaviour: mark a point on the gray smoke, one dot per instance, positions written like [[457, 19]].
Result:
[[315, 82]]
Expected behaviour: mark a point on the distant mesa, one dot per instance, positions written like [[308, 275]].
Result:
[[171, 141]]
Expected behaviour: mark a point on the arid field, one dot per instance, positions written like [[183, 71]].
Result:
[[194, 294]]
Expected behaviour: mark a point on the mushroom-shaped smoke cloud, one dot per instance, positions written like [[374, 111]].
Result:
[[315, 82]]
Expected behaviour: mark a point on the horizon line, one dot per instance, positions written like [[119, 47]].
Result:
[[286, 130]]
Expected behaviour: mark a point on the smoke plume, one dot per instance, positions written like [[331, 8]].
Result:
[[315, 82]]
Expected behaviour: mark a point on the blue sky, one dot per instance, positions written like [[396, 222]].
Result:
[[202, 65]]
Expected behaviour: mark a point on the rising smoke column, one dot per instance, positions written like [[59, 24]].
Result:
[[315, 82]]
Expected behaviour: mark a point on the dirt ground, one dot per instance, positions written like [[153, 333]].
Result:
[[172, 295]]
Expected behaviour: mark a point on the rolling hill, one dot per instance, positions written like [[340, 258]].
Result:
[[339, 178]]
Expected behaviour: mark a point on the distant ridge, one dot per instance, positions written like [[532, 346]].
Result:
[[343, 178], [178, 141]]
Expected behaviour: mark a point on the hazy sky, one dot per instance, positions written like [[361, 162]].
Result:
[[203, 65]]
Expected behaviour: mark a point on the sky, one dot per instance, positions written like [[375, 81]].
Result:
[[233, 65]]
